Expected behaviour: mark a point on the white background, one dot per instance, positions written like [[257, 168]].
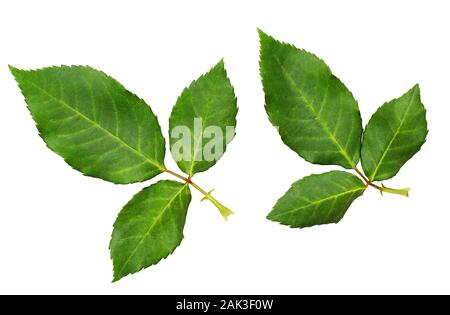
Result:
[[55, 224]]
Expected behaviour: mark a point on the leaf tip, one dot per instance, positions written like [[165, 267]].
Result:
[[415, 89], [14, 70], [115, 279], [116, 275], [220, 66], [262, 35]]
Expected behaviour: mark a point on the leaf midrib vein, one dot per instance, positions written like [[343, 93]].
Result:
[[62, 102], [147, 232], [323, 124], [374, 173], [318, 202], [199, 137]]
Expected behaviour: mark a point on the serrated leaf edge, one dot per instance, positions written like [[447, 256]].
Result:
[[416, 89], [220, 64], [362, 189], [120, 275], [265, 36], [15, 70]]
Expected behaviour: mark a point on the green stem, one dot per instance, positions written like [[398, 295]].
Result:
[[402, 192], [361, 174], [224, 211]]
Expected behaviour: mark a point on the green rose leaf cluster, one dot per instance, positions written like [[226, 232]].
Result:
[[105, 131], [318, 118]]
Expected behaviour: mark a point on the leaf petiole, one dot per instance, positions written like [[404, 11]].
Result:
[[224, 211], [383, 189]]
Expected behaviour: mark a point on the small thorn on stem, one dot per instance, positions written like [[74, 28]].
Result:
[[383, 189], [224, 211]]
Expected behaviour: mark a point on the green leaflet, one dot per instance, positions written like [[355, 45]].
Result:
[[317, 199], [94, 123], [393, 135], [210, 101], [316, 114], [150, 227]]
